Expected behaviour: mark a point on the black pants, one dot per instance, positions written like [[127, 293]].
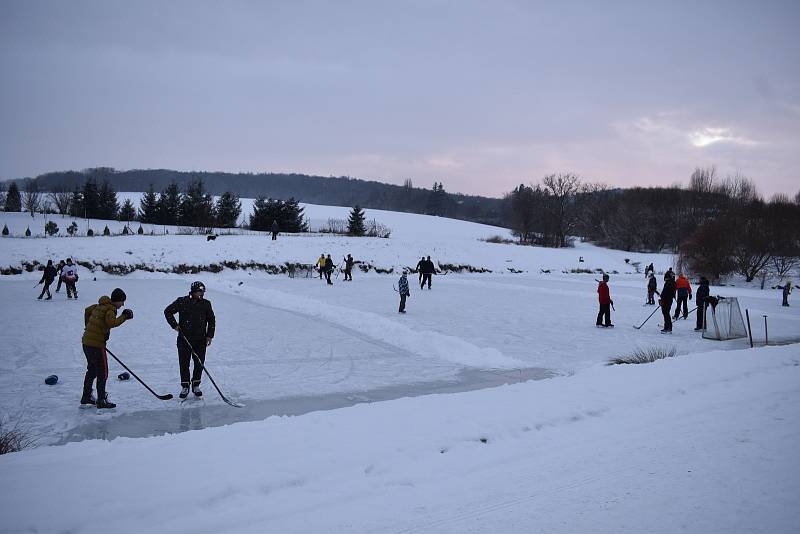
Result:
[[402, 302], [682, 302], [71, 289], [185, 356], [328, 276], [666, 308], [348, 274], [605, 311], [426, 277], [785, 298], [96, 368], [46, 289], [701, 313], [650, 299], [274, 236]]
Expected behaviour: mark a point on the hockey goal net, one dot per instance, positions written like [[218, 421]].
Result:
[[724, 319]]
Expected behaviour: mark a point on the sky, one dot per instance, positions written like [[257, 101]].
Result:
[[481, 96]]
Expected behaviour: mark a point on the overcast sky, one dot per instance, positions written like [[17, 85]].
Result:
[[481, 96]]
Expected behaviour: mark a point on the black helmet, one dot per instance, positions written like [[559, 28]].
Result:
[[198, 286]]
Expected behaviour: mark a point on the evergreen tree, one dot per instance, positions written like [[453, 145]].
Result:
[[91, 199], [76, 203], [292, 217], [355, 224], [169, 202], [437, 200], [108, 207], [127, 212], [259, 218], [13, 198], [228, 209], [196, 207], [148, 207]]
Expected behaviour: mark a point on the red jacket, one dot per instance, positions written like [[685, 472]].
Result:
[[604, 294], [683, 283]]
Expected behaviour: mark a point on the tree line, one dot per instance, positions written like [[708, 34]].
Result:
[[717, 226]]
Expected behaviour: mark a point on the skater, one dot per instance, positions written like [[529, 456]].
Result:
[[420, 268], [348, 268], [649, 269], [684, 292], [667, 295], [651, 288], [274, 229], [48, 276], [329, 266], [702, 295], [196, 323], [604, 296], [99, 319], [427, 272], [404, 291], [69, 273], [321, 265], [61, 264], [787, 289]]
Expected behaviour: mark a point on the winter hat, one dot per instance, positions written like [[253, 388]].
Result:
[[197, 286], [118, 295], [605, 277]]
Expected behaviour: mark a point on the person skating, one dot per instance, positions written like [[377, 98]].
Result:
[[787, 289], [649, 269], [652, 285], [321, 265], [702, 295], [604, 297], [61, 264], [98, 320], [427, 272], [684, 289], [275, 229], [348, 268], [420, 268], [328, 269], [196, 323], [404, 291], [48, 276], [69, 273], [667, 295]]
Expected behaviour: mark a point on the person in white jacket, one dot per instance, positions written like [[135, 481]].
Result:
[[69, 274]]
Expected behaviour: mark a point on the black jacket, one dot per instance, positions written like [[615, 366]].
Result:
[[348, 264], [195, 317], [328, 264], [668, 291], [652, 285], [49, 275], [702, 293], [428, 268]]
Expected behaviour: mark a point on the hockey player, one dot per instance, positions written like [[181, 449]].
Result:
[[321, 265], [275, 229], [69, 273], [59, 269], [684, 289], [604, 297], [329, 266], [99, 319], [48, 276], [427, 272], [702, 295], [196, 323], [651, 288], [787, 289], [404, 291], [348, 268], [667, 295], [420, 268]]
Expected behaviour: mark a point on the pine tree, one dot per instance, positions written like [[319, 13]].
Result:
[[196, 207], [91, 199], [355, 224], [292, 217], [148, 207], [108, 207], [258, 219], [13, 199], [228, 209], [169, 204], [127, 212], [76, 203]]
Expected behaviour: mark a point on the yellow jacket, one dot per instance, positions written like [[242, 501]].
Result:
[[99, 319]]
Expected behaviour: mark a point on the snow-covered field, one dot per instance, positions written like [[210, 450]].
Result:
[[359, 419]]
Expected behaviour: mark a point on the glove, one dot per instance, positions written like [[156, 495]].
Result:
[[690, 297], [127, 313]]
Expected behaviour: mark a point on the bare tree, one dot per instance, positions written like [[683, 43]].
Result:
[[61, 197], [703, 180], [562, 188], [31, 198]]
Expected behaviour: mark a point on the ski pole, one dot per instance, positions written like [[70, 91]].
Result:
[[168, 396], [648, 318], [203, 367]]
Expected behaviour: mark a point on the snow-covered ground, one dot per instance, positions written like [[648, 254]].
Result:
[[389, 429]]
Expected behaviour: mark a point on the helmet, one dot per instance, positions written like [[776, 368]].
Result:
[[50, 380], [197, 286]]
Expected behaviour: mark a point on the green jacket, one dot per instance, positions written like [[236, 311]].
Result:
[[99, 319]]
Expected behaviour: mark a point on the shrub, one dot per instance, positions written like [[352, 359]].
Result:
[[72, 229], [51, 228], [499, 239], [13, 437], [648, 355]]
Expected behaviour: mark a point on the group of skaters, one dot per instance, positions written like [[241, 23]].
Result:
[[195, 326], [67, 274], [678, 290], [326, 267]]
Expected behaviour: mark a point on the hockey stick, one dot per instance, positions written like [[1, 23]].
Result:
[[648, 318], [168, 396], [200, 363], [687, 315], [395, 288]]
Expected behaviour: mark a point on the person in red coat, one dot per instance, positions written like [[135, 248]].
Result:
[[604, 296]]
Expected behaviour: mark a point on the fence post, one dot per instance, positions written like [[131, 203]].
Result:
[[766, 333], [749, 330]]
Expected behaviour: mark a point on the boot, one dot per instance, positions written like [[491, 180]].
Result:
[[184, 392], [88, 399], [196, 390], [103, 402]]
